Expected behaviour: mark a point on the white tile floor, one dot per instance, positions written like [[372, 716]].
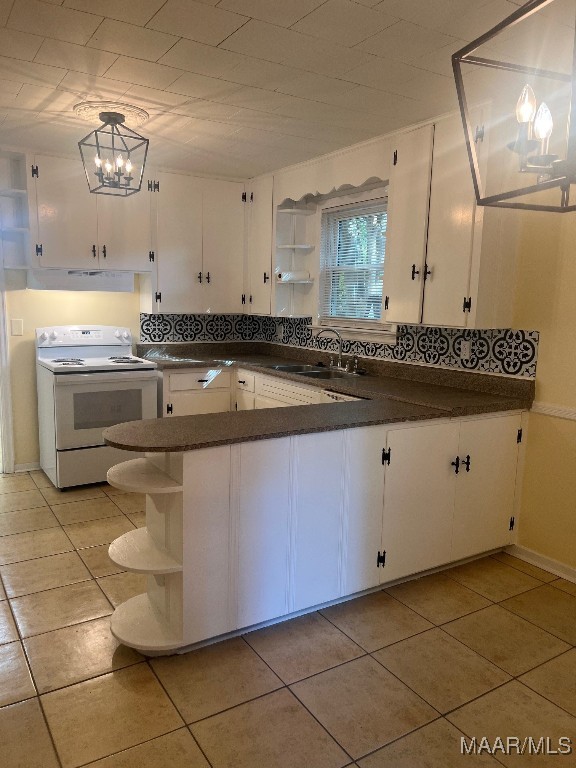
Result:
[[393, 680]]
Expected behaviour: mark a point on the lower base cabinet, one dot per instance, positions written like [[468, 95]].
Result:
[[266, 528]]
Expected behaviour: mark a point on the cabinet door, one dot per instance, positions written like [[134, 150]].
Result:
[[222, 246], [262, 499], [259, 246], [318, 466], [179, 243], [485, 493], [244, 400], [408, 199], [364, 496], [66, 214], [267, 402], [189, 403], [419, 499], [125, 230], [450, 229]]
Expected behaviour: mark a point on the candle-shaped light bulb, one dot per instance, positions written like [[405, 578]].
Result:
[[543, 122], [526, 105], [119, 162], [98, 162], [128, 166], [108, 166]]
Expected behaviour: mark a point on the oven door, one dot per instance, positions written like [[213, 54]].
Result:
[[85, 403]]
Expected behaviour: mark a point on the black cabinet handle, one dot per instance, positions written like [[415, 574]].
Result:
[[414, 272], [207, 277], [241, 381], [94, 251], [456, 464], [199, 277], [203, 381], [427, 272], [104, 251], [266, 277], [466, 463]]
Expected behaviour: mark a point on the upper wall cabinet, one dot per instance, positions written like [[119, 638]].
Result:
[[258, 273], [454, 266], [200, 244], [74, 228]]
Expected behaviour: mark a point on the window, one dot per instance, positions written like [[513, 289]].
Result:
[[352, 252]]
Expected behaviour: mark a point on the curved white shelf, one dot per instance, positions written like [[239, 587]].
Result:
[[136, 551], [141, 476], [303, 247], [297, 211], [136, 624], [293, 282]]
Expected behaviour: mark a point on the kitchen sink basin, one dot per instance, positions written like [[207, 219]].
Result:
[[329, 373], [293, 367]]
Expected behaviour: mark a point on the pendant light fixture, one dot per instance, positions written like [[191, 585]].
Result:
[[531, 127], [114, 155]]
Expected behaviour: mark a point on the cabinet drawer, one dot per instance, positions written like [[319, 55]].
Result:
[[290, 394], [202, 378], [245, 380]]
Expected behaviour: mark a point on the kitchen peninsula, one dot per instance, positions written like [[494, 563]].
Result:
[[259, 515]]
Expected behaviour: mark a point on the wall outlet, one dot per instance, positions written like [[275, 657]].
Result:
[[465, 350]]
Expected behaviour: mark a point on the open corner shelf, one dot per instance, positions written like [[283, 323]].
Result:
[[136, 624], [136, 551], [294, 282], [141, 476], [302, 247], [297, 211]]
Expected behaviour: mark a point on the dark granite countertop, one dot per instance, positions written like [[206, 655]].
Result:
[[388, 399]]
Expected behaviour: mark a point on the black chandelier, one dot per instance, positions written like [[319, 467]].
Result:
[[522, 129], [114, 157]]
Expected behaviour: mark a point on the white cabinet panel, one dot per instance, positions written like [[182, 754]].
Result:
[[260, 401], [259, 247], [66, 214], [408, 199], [263, 530], [192, 403], [179, 243], [125, 230], [364, 482], [319, 501], [485, 493], [419, 499], [244, 400]]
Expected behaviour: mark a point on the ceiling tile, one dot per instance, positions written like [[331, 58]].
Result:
[[478, 19], [230, 93], [132, 11], [405, 41], [92, 88], [364, 99], [345, 22], [313, 111], [369, 3], [433, 14], [10, 87], [439, 61], [5, 8], [199, 86], [19, 45], [30, 72], [142, 72], [309, 85], [196, 21], [206, 110], [283, 14], [383, 74], [266, 41], [130, 40], [202, 59], [152, 99], [262, 74], [75, 57], [53, 21], [38, 99]]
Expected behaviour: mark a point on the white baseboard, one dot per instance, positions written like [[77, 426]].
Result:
[[26, 467], [547, 563]]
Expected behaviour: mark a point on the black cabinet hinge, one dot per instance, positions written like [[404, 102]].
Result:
[[479, 134], [467, 304], [169, 408], [151, 256], [251, 197], [266, 277], [386, 302], [34, 171], [519, 436], [512, 524], [386, 456], [381, 559], [395, 157], [38, 249], [243, 298], [158, 296], [153, 186], [250, 299], [244, 197]]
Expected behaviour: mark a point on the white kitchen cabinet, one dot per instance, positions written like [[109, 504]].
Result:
[[245, 383], [14, 210], [485, 486], [200, 244], [74, 228], [282, 392], [257, 294], [261, 489], [194, 391], [418, 498], [460, 270]]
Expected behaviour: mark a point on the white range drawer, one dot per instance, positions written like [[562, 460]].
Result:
[[200, 378]]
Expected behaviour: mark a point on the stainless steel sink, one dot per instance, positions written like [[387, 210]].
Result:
[[329, 373], [295, 368]]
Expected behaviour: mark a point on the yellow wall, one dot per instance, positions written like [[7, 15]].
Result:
[[545, 301], [41, 308]]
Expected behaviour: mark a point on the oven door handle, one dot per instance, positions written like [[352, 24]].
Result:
[[118, 377]]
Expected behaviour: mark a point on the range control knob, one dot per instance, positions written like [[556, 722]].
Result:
[[53, 335], [43, 336], [117, 333], [125, 335]]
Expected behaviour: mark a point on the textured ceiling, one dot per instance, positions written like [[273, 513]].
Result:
[[234, 88]]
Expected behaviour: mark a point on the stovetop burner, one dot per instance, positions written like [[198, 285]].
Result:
[[132, 360], [69, 361]]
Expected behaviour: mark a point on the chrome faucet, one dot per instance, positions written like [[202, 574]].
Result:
[[335, 332]]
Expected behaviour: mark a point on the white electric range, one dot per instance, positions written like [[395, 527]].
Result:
[[88, 379]]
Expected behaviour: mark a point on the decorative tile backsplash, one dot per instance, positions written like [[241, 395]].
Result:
[[498, 351]]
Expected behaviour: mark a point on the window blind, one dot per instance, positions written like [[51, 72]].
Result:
[[352, 254]]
